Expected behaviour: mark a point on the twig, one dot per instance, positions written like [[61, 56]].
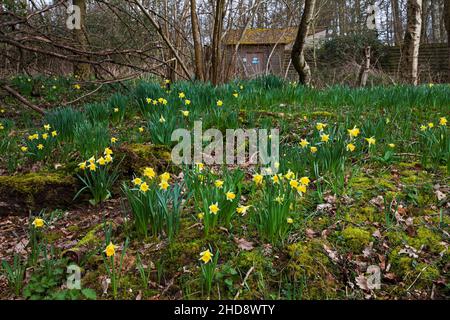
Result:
[[243, 282], [417, 278], [83, 96]]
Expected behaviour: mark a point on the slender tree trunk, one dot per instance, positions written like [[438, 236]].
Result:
[[365, 68], [297, 54], [216, 47], [198, 54], [447, 26], [410, 49], [398, 28], [81, 70]]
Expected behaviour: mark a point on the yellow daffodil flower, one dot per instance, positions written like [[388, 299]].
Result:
[[242, 209], [185, 113], [187, 102], [320, 126], [214, 208], [54, 133], [24, 149], [113, 140], [149, 172], [162, 119], [371, 141], [47, 127], [137, 181], [165, 176], [92, 167], [431, 125], [391, 145], [290, 221], [443, 121], [101, 161], [230, 196], [181, 95], [219, 103], [325, 137], [351, 147], [110, 250], [313, 149], [163, 185], [353, 133], [144, 187], [40, 146], [258, 179], [218, 183], [305, 181], [206, 256], [304, 143], [38, 223]]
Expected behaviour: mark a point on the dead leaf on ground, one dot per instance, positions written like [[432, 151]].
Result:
[[244, 244]]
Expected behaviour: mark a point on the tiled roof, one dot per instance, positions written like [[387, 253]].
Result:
[[263, 36]]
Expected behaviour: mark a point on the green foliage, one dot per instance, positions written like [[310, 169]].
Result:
[[64, 120], [155, 211], [15, 273], [91, 139]]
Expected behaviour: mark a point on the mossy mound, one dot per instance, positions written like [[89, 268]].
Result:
[[356, 239], [309, 261], [138, 156], [22, 194]]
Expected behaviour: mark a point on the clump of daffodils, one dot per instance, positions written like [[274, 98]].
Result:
[[92, 163]]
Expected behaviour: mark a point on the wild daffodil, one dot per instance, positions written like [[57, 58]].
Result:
[[163, 185], [313, 149], [38, 223], [230, 196], [165, 176], [257, 179], [371, 141], [353, 133], [304, 143], [149, 172], [219, 103], [218, 183], [110, 250], [325, 137], [144, 187], [320, 126], [351, 147], [305, 181], [214, 208], [443, 121], [206, 256], [242, 209], [137, 181]]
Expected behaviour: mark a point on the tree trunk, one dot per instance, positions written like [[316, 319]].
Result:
[[398, 28], [216, 47], [410, 49], [447, 26], [297, 54], [81, 70], [198, 54], [365, 68]]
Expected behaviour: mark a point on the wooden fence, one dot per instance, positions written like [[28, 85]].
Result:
[[433, 62]]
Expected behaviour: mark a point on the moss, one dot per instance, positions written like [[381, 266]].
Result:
[[52, 236], [413, 177], [254, 258], [355, 238], [309, 261], [20, 194], [322, 114], [138, 156], [359, 215], [91, 237], [427, 238]]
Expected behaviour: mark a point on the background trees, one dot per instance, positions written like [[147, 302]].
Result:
[[182, 39]]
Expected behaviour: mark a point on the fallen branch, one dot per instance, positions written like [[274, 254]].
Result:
[[22, 99], [243, 282]]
